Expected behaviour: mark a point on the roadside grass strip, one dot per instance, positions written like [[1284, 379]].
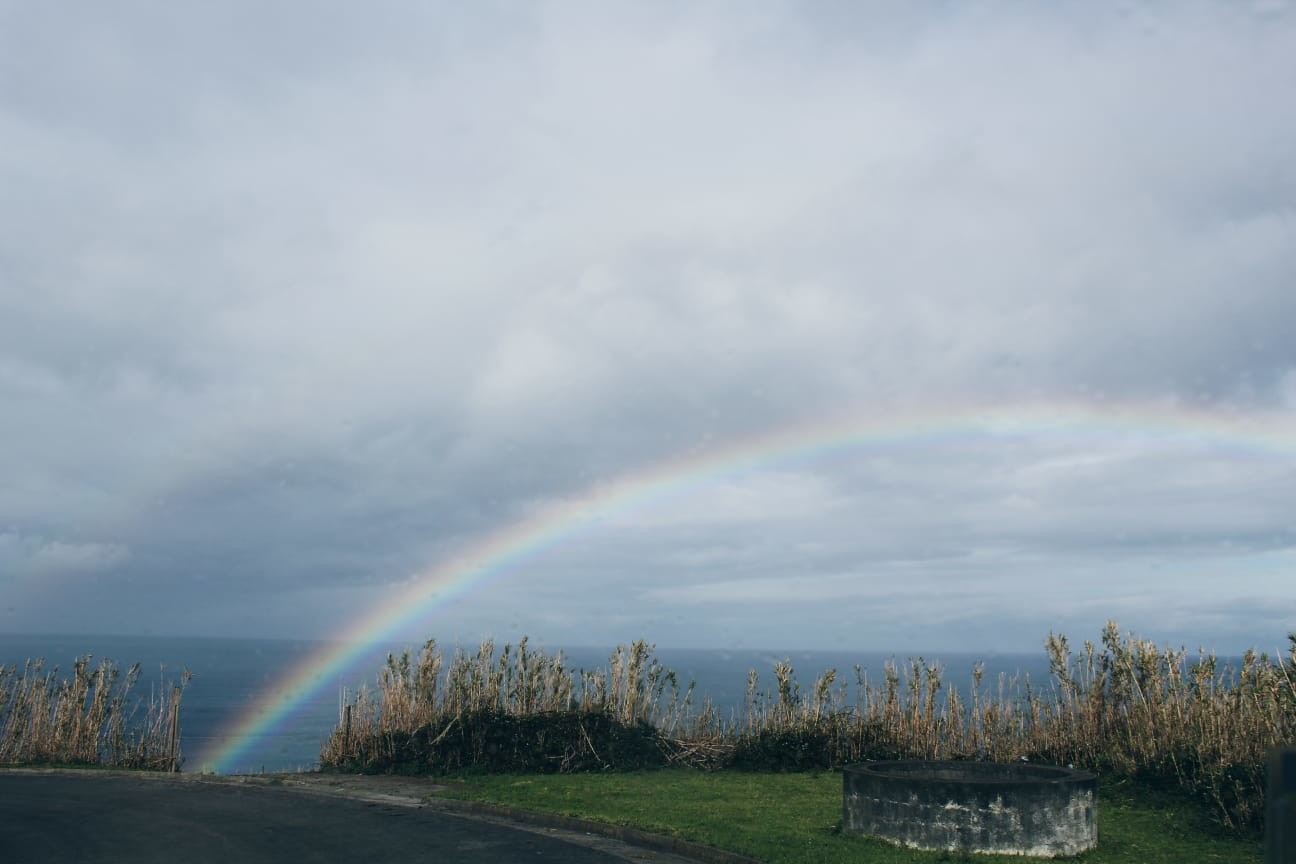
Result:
[[795, 818]]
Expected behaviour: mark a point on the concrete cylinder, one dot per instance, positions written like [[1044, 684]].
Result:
[[1007, 808]]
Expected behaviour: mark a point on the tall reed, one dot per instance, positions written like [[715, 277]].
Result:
[[1123, 706], [475, 701], [88, 718]]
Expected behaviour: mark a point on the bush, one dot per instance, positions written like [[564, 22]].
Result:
[[499, 742]]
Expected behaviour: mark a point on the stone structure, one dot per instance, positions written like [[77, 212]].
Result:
[[1008, 808]]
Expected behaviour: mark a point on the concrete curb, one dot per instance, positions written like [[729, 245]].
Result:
[[633, 836]]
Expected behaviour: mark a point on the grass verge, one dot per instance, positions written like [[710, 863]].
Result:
[[795, 818]]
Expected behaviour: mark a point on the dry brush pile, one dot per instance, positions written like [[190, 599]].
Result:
[[1123, 706], [88, 718]]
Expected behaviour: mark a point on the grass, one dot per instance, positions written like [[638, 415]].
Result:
[[795, 818], [87, 719]]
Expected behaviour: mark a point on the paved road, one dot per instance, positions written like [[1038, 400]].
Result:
[[113, 818]]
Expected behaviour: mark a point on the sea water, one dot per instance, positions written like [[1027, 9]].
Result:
[[232, 677]]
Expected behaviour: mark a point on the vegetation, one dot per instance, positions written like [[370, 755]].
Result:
[[1124, 708], [87, 719], [522, 711], [794, 818]]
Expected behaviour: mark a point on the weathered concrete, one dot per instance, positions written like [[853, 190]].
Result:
[[1280, 808], [1008, 808]]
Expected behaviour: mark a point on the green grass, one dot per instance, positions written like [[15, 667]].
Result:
[[795, 818]]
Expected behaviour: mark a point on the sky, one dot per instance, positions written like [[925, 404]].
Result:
[[889, 326]]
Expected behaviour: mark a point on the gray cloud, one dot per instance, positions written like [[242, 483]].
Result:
[[295, 306]]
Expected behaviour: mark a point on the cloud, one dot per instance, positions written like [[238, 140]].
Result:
[[35, 557], [294, 308]]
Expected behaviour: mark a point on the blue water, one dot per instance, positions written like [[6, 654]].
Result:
[[230, 675]]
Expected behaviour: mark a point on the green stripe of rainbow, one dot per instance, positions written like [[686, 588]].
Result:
[[498, 552]]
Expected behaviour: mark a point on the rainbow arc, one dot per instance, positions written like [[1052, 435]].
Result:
[[418, 601]]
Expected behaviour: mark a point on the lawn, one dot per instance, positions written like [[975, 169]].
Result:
[[795, 818]]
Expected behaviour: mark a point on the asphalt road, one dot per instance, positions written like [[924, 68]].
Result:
[[68, 819]]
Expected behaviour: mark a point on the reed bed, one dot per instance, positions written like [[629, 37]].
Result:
[[1123, 706], [517, 709], [88, 718]]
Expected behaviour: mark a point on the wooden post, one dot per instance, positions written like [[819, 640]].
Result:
[[1280, 807], [175, 730], [346, 730]]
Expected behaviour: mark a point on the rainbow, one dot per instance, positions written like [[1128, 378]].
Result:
[[499, 552]]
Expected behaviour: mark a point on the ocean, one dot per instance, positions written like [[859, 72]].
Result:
[[231, 675]]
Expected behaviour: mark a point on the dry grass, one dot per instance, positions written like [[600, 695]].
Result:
[[427, 696], [1123, 707], [86, 719]]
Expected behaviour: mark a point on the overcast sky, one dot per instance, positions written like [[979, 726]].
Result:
[[298, 301]]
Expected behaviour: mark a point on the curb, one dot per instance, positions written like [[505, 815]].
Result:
[[633, 836]]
